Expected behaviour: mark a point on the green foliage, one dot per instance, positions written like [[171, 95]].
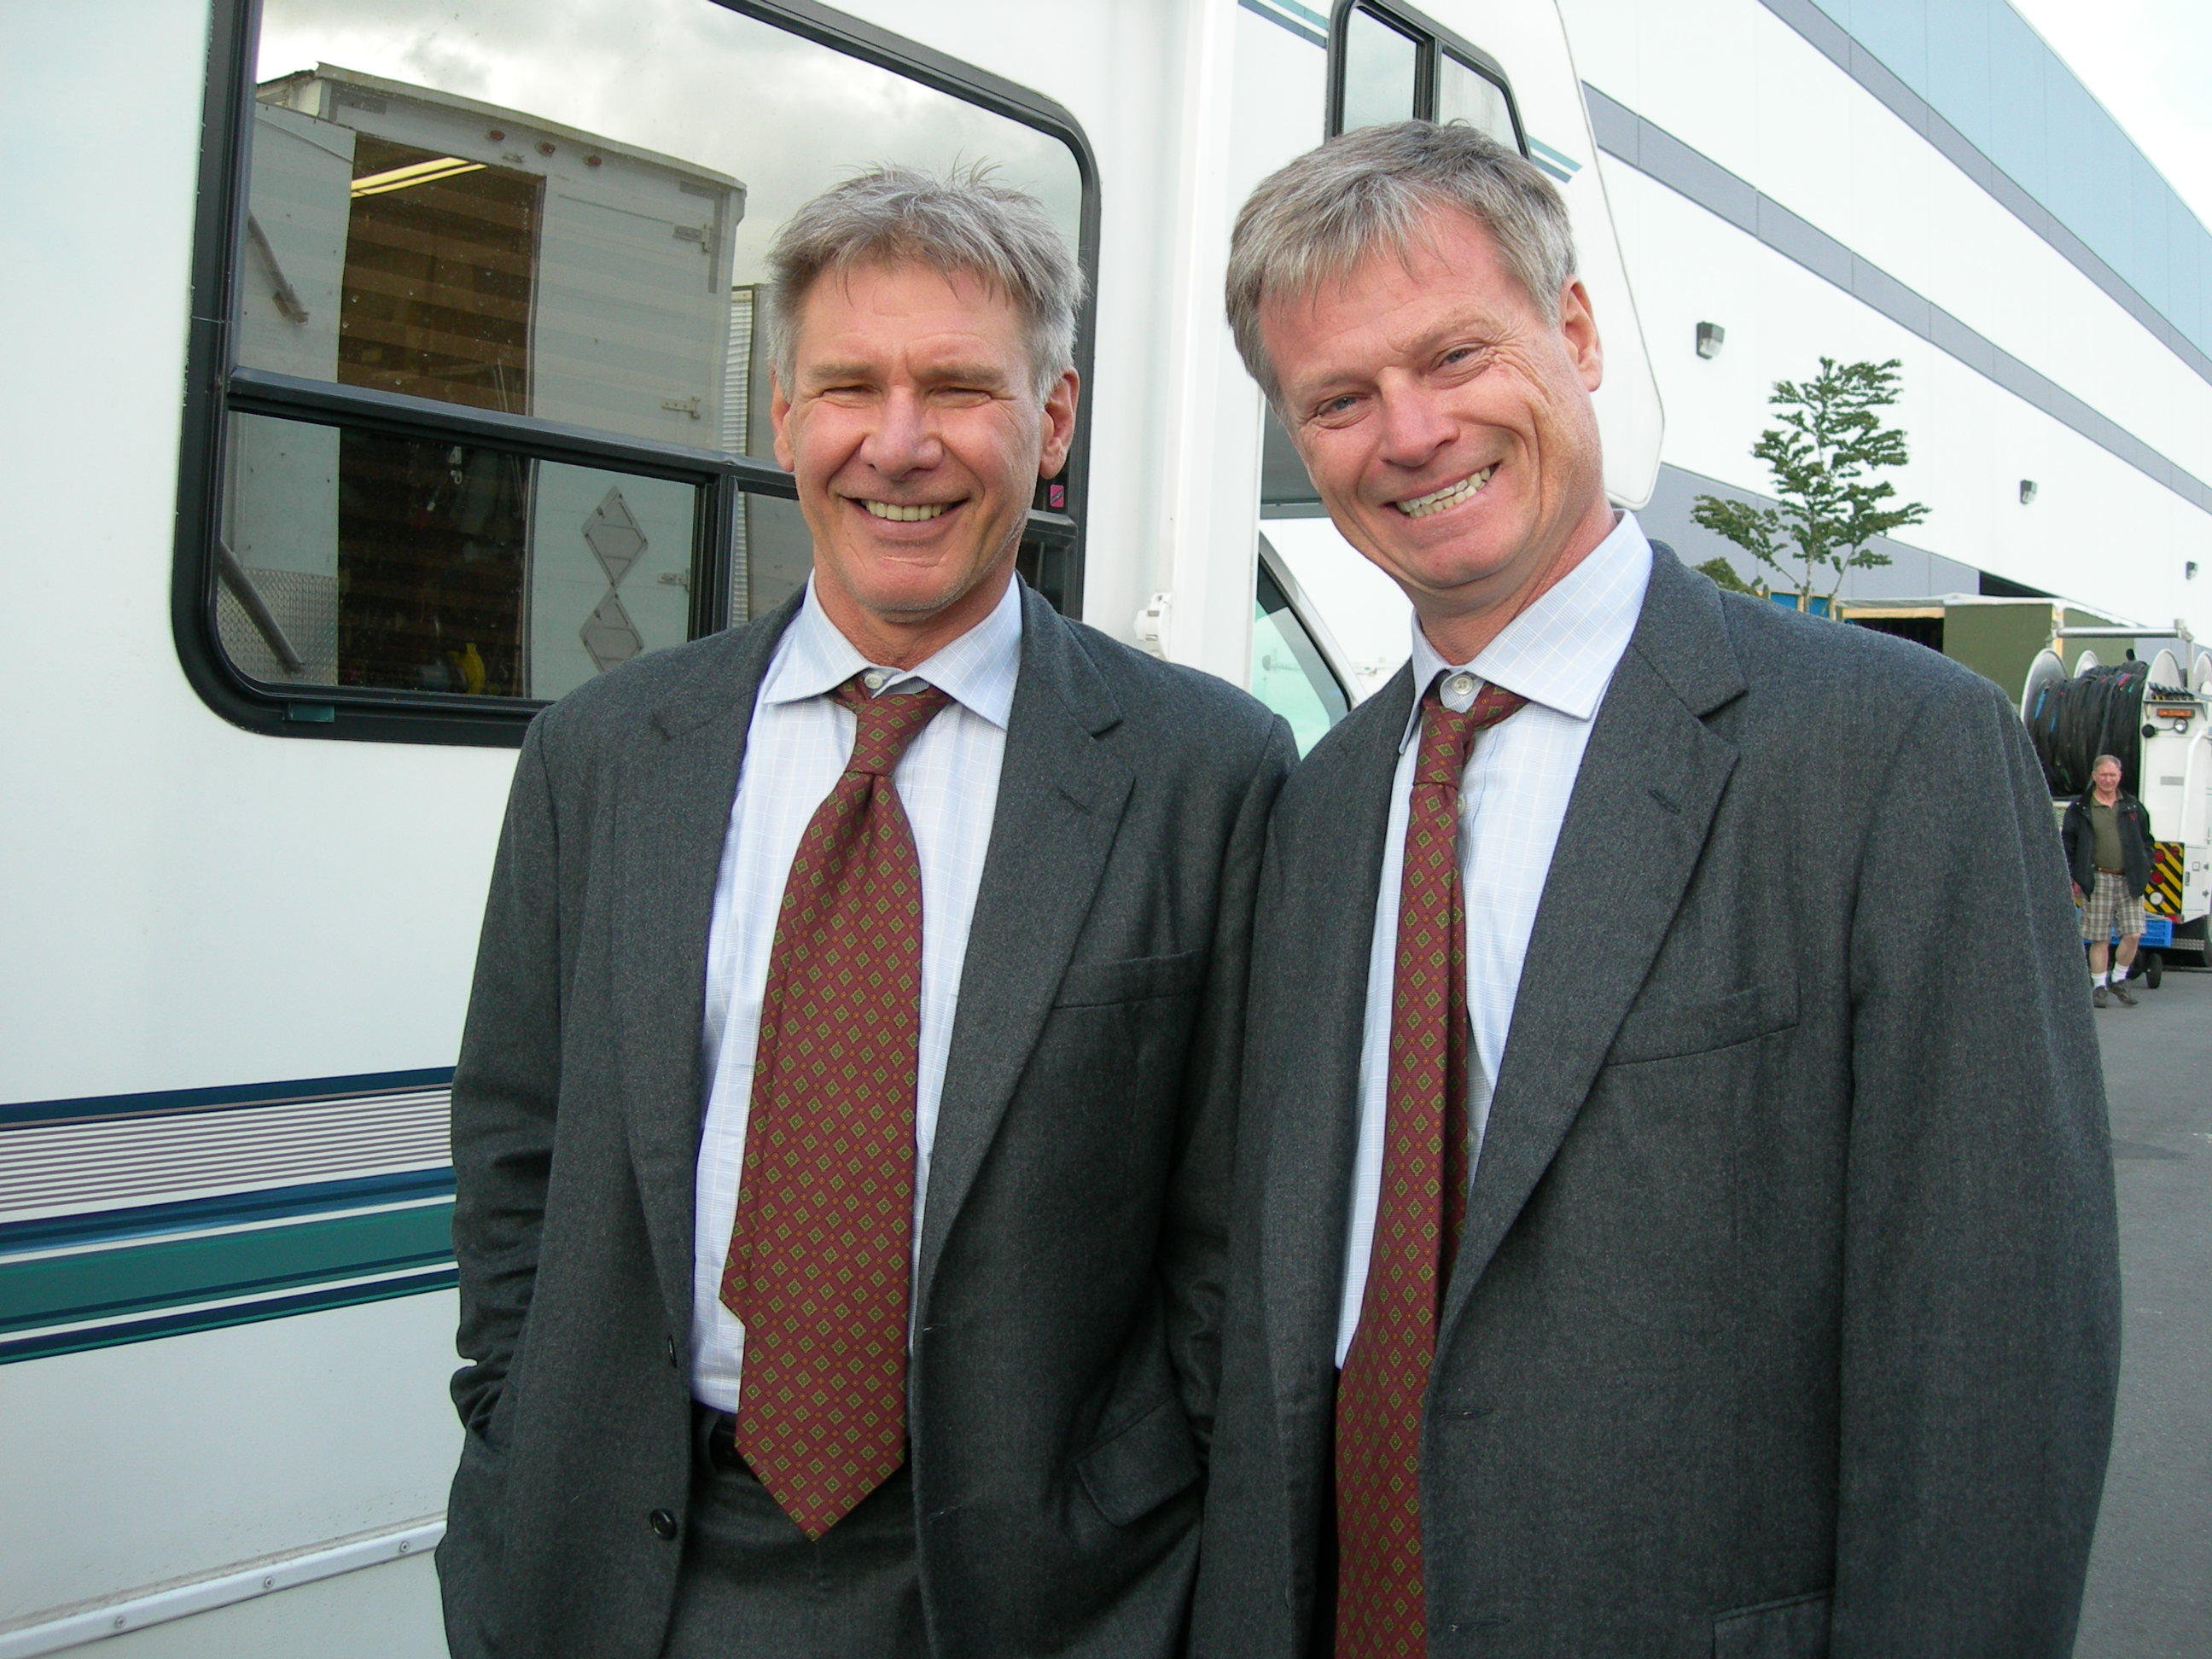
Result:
[[1824, 457], [1724, 572]]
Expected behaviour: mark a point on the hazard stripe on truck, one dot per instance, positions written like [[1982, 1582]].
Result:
[[2163, 896]]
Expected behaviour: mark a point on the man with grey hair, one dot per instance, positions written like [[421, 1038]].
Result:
[[842, 1125], [1649, 1244]]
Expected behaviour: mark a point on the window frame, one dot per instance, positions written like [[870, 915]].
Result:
[[1308, 615], [216, 387], [1432, 39]]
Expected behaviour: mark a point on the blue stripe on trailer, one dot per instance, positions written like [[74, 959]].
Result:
[[216, 1099], [228, 1210]]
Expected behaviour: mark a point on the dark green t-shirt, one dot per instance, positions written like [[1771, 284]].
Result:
[[2105, 820]]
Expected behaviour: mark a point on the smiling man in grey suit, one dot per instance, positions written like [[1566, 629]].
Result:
[[1657, 1245], [842, 1125]]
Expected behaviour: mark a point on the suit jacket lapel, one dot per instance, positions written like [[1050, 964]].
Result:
[[1636, 824], [672, 814], [1060, 798], [1327, 882]]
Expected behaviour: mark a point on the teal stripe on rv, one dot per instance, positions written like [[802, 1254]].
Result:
[[80, 1339], [1557, 162], [1304, 21], [116, 1284]]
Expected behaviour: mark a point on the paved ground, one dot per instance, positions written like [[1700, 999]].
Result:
[[2150, 1579]]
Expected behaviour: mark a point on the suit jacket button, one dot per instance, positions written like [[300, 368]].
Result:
[[663, 1522]]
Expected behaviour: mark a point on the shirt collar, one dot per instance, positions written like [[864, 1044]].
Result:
[[978, 670], [1562, 650]]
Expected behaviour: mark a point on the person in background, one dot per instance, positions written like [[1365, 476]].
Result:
[[842, 1127], [2108, 853]]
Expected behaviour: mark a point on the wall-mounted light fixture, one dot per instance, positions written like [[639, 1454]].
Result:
[[2027, 491], [1709, 335], [2189, 571]]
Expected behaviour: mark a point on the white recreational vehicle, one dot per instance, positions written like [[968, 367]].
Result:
[[380, 369]]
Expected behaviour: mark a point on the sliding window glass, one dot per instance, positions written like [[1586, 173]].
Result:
[[493, 413], [1390, 63], [1382, 70]]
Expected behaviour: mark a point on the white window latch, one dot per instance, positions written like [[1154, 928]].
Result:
[[1152, 625]]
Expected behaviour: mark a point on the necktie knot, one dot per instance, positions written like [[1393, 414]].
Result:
[[887, 724], [1447, 734]]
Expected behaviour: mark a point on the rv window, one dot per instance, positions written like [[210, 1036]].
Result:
[[475, 221], [497, 416], [1382, 67], [1289, 674], [1390, 62], [368, 559], [1467, 94]]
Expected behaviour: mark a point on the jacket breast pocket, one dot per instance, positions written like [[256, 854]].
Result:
[[1137, 979], [1793, 1629], [1665, 1031]]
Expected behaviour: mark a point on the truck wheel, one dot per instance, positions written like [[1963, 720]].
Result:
[[2153, 968]]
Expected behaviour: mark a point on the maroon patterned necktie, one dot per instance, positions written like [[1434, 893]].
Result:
[[821, 1253], [1380, 1608]]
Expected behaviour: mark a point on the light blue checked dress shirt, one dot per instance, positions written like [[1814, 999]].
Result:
[[1559, 653], [948, 782]]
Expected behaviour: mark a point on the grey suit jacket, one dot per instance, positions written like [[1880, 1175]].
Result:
[[1066, 1301], [1785, 1322]]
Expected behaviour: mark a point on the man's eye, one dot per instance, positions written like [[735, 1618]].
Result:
[[1337, 405]]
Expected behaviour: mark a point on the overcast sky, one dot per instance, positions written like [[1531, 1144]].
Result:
[[2149, 63]]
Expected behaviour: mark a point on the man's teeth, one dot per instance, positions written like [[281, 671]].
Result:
[[1450, 496], [906, 514]]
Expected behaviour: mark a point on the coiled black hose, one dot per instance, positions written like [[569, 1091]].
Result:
[[2097, 713]]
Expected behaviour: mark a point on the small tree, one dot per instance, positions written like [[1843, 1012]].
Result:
[[1824, 457], [1724, 572]]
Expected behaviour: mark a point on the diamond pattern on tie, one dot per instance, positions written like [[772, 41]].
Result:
[[821, 1252], [1380, 1606]]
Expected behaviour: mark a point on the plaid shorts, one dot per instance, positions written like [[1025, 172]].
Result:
[[2110, 909]]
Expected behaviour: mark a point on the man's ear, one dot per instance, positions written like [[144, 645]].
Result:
[[1059, 423], [1578, 328], [779, 418]]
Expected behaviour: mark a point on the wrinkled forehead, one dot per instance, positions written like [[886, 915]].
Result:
[[1444, 277]]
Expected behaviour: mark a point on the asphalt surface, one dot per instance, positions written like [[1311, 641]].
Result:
[[2150, 1576]]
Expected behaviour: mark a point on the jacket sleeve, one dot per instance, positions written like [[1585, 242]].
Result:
[[1981, 1324], [1194, 1251], [505, 1088], [2070, 834]]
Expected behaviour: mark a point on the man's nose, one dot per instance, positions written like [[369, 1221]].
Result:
[[904, 439], [1414, 426]]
